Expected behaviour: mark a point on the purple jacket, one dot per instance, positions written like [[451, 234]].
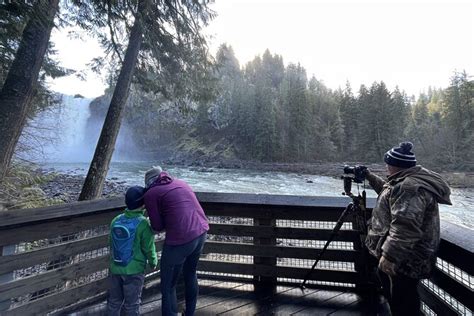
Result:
[[172, 205]]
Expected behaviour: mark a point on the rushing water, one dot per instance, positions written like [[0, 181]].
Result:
[[251, 181]]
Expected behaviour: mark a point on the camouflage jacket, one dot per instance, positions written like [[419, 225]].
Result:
[[404, 227]]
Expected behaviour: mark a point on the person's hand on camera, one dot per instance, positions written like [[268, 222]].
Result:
[[363, 170]]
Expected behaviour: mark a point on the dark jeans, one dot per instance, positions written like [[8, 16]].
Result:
[[173, 260], [401, 293], [126, 290]]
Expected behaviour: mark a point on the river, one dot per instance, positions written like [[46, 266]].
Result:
[[252, 181]]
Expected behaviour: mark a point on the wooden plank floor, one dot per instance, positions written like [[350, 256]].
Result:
[[237, 298]]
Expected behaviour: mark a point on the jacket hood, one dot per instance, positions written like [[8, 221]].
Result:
[[163, 178], [418, 177]]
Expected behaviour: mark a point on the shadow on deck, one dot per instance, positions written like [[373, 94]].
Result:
[[219, 297]]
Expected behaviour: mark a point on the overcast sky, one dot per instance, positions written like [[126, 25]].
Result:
[[412, 44]]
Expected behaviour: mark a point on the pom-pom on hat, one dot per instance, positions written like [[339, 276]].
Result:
[[401, 156], [134, 197]]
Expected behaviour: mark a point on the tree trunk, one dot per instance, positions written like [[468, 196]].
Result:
[[18, 88], [95, 179]]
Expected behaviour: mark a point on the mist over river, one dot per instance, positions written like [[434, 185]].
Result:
[[252, 181]]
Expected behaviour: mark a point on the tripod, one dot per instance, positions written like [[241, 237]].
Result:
[[356, 207]]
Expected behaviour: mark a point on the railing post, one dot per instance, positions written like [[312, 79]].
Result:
[[362, 264], [265, 261], [4, 278]]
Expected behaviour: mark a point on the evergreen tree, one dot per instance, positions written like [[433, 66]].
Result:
[[19, 85], [382, 118], [458, 114], [424, 130], [272, 73], [325, 134], [166, 52], [298, 111], [228, 77], [14, 16], [400, 113], [366, 120], [418, 122], [349, 114], [261, 116]]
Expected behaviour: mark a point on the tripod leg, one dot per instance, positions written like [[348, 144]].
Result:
[[335, 230]]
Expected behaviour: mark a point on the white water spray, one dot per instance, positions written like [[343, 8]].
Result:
[[66, 133]]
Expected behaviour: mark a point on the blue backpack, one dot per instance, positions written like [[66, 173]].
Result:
[[122, 236]]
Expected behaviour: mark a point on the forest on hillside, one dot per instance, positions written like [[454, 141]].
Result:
[[178, 99], [266, 111]]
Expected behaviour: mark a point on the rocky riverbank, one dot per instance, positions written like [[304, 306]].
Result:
[[31, 187], [67, 187]]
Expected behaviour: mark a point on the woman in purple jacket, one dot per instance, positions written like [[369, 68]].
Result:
[[172, 206]]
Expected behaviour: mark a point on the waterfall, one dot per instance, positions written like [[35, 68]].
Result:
[[68, 132], [57, 134]]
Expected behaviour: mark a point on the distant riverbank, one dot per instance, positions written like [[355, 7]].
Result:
[[67, 187]]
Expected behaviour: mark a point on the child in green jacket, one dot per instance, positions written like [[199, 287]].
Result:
[[132, 244]]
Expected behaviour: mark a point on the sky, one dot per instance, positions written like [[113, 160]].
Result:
[[410, 44]]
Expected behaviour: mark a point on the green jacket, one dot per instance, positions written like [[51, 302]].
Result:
[[143, 247], [405, 227]]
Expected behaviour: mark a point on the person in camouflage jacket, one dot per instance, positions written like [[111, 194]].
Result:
[[404, 230]]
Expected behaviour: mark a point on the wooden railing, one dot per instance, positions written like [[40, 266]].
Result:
[[56, 258], [450, 289]]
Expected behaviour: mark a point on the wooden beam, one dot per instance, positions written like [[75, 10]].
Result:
[[28, 259], [457, 290], [278, 271], [61, 299], [275, 212], [435, 303], [457, 246], [457, 235], [64, 226], [281, 232], [278, 251], [48, 279], [277, 200], [28, 216]]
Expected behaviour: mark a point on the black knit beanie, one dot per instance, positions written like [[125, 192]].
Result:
[[134, 197], [401, 156]]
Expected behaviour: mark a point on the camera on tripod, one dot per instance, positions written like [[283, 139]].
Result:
[[358, 172], [354, 174], [357, 208]]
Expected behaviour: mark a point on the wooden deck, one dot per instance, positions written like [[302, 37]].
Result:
[[220, 297], [55, 260]]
